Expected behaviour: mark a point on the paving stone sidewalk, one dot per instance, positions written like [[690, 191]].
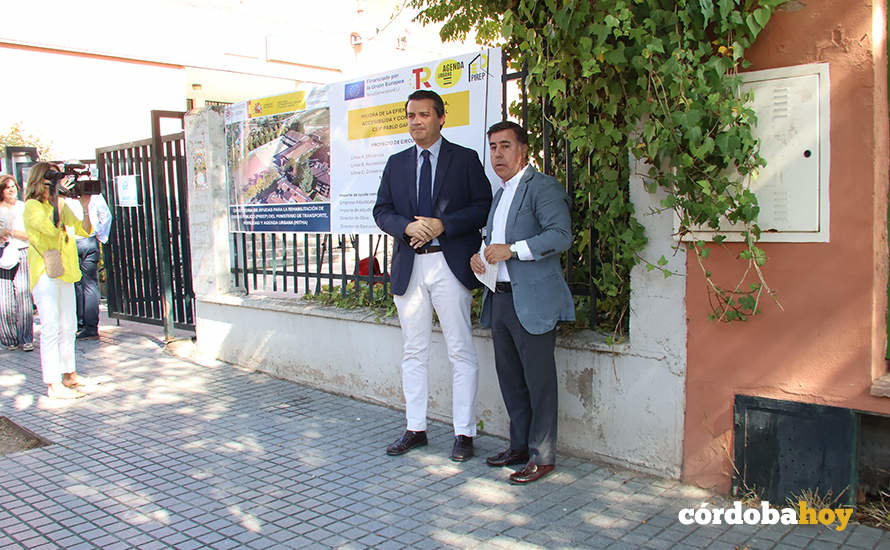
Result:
[[166, 453]]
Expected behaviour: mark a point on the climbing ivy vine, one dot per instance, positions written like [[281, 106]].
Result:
[[658, 78]]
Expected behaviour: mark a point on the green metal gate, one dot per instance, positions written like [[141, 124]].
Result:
[[147, 257]]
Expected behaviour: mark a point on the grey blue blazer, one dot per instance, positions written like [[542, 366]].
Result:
[[539, 215]]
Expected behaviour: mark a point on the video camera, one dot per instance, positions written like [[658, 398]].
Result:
[[81, 184]]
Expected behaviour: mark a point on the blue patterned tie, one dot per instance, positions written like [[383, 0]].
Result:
[[425, 191]]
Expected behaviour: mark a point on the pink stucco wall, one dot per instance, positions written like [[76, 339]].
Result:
[[829, 343]]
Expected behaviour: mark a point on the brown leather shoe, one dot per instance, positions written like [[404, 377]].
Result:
[[408, 441], [531, 472], [507, 457]]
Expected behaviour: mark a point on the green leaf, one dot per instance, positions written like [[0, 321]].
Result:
[[737, 51], [556, 86], [707, 9], [616, 56], [759, 256], [694, 135], [761, 15], [753, 25], [748, 302], [655, 45]]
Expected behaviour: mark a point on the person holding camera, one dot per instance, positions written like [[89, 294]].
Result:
[[53, 263], [16, 308]]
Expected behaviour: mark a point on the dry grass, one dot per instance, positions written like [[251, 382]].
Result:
[[876, 512], [748, 496], [814, 500]]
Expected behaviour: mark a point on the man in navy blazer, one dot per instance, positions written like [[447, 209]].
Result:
[[529, 226], [433, 199]]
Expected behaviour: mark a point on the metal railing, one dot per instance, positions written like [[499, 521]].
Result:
[[304, 263]]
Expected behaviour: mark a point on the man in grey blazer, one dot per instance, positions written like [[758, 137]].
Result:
[[529, 225]]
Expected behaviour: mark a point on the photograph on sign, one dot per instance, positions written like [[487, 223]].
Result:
[[279, 158]]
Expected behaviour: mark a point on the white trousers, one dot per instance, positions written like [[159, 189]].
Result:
[[58, 326], [433, 285]]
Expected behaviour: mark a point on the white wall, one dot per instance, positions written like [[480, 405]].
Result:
[[623, 404], [80, 103]]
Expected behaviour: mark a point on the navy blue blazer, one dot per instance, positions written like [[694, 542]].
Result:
[[461, 200]]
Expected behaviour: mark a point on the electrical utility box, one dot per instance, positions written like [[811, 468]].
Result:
[[792, 107]]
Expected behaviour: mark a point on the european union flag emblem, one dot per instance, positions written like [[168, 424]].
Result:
[[354, 90]]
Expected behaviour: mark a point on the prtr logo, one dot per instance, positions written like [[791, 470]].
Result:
[[422, 77]]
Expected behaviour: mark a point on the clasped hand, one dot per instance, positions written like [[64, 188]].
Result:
[[494, 253], [422, 230]]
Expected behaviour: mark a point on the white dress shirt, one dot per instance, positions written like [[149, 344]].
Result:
[[100, 216], [499, 224], [434, 161]]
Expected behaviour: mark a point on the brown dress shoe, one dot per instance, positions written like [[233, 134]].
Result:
[[507, 457], [531, 472], [408, 441]]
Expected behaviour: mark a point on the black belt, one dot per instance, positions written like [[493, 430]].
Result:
[[428, 250], [503, 287]]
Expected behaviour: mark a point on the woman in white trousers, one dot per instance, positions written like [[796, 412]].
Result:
[[47, 230]]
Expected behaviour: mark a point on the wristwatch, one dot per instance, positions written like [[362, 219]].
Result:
[[514, 254]]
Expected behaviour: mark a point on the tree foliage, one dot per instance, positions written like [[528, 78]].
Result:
[[656, 78], [15, 136]]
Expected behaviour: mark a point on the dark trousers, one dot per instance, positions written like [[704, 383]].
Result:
[[86, 292], [527, 376]]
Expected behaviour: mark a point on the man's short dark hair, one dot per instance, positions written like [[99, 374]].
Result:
[[438, 104], [518, 131]]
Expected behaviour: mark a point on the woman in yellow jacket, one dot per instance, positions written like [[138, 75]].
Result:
[[54, 297]]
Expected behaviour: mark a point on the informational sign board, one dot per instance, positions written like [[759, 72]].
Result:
[[310, 161], [127, 190]]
